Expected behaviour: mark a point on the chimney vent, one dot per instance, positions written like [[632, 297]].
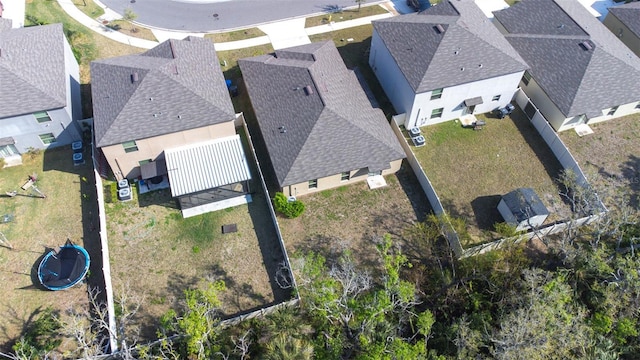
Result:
[[586, 46], [439, 29], [134, 77], [308, 90]]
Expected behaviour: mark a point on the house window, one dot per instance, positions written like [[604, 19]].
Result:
[[345, 176], [130, 146], [495, 98], [42, 116], [8, 150], [436, 94], [313, 184], [47, 138], [612, 110], [436, 113], [142, 162], [526, 78]]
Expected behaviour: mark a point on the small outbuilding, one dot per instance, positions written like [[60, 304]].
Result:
[[523, 209]]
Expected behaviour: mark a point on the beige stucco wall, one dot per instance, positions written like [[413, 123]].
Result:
[[126, 165], [623, 33], [335, 181]]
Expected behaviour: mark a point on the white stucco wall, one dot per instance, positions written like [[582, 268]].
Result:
[[393, 82], [418, 108], [452, 100]]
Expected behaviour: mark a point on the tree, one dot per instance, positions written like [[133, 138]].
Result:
[[130, 16], [360, 2]]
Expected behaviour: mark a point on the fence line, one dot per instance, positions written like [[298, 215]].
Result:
[[270, 205], [104, 245], [430, 192]]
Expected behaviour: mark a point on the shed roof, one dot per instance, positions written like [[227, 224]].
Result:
[[580, 79], [33, 75], [206, 165], [449, 44], [314, 116], [524, 203], [176, 86]]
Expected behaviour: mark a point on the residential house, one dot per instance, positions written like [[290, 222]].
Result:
[[624, 22], [40, 91], [443, 63], [580, 71], [167, 113], [318, 126]]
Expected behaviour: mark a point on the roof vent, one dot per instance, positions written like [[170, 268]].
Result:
[[586, 45], [479, 65], [308, 90], [462, 69], [175, 69], [439, 29], [282, 129], [134, 77]]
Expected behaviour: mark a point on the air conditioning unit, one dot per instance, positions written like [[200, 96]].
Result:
[[125, 194], [123, 184]]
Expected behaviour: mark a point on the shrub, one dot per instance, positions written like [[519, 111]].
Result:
[[290, 209], [506, 230]]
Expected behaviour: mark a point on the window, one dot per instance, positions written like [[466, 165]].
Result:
[[436, 94], [130, 146], [495, 98], [612, 110], [436, 113], [526, 78], [142, 162], [8, 150], [345, 176], [42, 116], [313, 184], [47, 138]]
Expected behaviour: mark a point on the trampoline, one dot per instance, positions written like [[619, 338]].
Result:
[[60, 270]]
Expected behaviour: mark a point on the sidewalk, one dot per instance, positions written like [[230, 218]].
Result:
[[280, 34]]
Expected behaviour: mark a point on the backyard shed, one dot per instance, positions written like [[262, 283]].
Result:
[[523, 209]]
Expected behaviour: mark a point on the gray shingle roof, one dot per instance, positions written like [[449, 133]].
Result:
[[32, 70], [524, 203], [180, 86], [469, 49], [577, 80], [628, 14], [330, 124]]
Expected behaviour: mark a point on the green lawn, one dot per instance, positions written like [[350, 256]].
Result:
[[471, 170], [89, 7], [235, 35], [345, 15]]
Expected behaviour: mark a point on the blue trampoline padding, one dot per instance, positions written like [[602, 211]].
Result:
[[65, 268]]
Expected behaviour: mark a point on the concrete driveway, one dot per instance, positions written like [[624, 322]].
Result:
[[211, 15]]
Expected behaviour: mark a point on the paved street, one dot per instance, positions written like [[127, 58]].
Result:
[[208, 15]]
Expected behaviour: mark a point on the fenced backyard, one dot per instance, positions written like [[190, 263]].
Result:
[[156, 254], [69, 211], [472, 169]]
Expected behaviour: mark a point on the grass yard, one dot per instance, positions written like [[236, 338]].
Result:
[[68, 212], [613, 151], [89, 7], [129, 29], [235, 35], [344, 15], [157, 254], [470, 170], [355, 218]]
